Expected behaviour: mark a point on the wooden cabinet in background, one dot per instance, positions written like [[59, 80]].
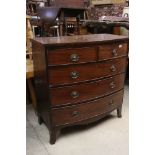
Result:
[[68, 3]]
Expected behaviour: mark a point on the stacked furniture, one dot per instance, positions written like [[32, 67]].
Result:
[[78, 79]]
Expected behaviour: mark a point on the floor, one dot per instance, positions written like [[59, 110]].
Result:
[[108, 136]]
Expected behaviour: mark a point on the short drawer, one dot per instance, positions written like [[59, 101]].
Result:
[[86, 91], [72, 56], [86, 72], [109, 51], [72, 114]]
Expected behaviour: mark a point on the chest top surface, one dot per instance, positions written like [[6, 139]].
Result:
[[79, 39]]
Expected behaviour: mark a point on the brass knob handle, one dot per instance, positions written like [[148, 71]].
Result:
[[74, 75], [113, 68], [112, 85], [74, 58], [75, 113], [114, 52], [74, 94], [111, 103]]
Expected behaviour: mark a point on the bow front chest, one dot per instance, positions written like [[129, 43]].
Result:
[[78, 79]]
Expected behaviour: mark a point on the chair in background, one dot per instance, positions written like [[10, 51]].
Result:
[[29, 63]]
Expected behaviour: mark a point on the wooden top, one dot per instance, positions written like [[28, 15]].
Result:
[[79, 39], [70, 3]]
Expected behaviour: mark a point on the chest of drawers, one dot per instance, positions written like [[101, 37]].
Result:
[[78, 79]]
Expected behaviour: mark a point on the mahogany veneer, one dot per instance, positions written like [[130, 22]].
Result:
[[85, 72], [87, 110], [85, 54], [85, 92], [78, 79]]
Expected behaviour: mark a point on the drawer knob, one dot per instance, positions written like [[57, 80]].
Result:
[[114, 52], [113, 68], [75, 113], [111, 103], [74, 75], [112, 85], [74, 58], [75, 94]]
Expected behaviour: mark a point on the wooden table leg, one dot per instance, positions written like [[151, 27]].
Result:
[[32, 92], [119, 112]]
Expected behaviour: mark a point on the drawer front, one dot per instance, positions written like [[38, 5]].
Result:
[[85, 72], [72, 56], [112, 51], [71, 114], [86, 91]]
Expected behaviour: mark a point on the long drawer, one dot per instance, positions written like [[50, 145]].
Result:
[[72, 56], [86, 72], [71, 114], [109, 51], [86, 91]]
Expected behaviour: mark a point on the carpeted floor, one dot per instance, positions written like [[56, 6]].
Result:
[[108, 136]]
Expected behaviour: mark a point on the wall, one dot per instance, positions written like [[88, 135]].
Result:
[[106, 10]]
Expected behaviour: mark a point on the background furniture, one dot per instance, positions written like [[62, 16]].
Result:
[[49, 24], [58, 17], [32, 5], [29, 80], [67, 3], [29, 36], [29, 63], [71, 18], [106, 24], [78, 79]]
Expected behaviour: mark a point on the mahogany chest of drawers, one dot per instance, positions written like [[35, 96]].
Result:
[[78, 79]]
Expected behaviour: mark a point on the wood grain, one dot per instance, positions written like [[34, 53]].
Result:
[[86, 72], [109, 51], [87, 110], [80, 40], [100, 89], [63, 56]]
